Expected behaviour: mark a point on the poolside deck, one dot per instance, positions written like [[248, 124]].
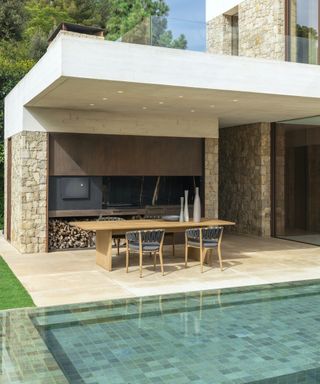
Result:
[[73, 276]]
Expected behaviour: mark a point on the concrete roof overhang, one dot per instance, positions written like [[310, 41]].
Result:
[[91, 74]]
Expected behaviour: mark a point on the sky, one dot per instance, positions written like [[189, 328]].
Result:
[[189, 17], [307, 14]]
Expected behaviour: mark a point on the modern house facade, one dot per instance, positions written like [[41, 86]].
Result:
[[96, 126]]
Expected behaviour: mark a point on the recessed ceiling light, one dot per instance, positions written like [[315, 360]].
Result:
[[104, 98], [144, 107], [91, 105], [120, 92], [180, 97], [192, 111], [235, 100], [161, 102], [212, 106]]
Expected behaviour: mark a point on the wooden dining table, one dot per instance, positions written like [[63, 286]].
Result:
[[106, 229]]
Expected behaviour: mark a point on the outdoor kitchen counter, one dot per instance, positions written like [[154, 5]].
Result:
[[106, 229]]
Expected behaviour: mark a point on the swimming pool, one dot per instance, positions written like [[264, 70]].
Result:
[[262, 334]]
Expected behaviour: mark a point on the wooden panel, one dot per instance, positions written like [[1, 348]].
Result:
[[113, 155]]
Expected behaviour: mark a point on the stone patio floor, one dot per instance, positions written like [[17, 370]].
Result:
[[73, 277]]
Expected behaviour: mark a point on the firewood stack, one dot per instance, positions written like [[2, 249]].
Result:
[[64, 236]]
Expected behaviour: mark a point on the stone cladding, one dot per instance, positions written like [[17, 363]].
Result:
[[245, 178], [211, 165], [29, 188]]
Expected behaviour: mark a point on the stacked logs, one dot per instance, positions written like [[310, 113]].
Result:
[[64, 236]]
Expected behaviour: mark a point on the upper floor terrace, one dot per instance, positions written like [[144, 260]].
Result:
[[285, 30]]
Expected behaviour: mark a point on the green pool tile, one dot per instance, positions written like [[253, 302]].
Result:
[[257, 335]]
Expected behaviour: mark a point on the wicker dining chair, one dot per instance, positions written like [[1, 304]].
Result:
[[204, 239], [116, 238], [150, 241], [156, 213]]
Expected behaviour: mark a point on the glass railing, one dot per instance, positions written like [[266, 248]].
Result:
[[168, 32], [197, 36], [302, 49]]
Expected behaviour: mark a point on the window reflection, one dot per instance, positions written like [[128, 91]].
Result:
[[303, 26], [297, 183]]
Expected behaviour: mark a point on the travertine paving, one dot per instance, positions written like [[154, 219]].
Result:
[[73, 277]]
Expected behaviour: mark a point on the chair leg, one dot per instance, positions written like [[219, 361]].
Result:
[[140, 262], [161, 261], [154, 260], [186, 256], [201, 259], [127, 259], [220, 258]]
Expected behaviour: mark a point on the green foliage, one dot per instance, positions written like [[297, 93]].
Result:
[[12, 19], [44, 15], [38, 45], [124, 15], [12, 293], [306, 32]]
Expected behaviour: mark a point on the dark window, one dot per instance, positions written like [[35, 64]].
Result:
[[235, 35]]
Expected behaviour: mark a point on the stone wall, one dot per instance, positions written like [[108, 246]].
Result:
[[29, 191], [211, 165], [280, 180], [245, 178], [219, 35], [261, 30]]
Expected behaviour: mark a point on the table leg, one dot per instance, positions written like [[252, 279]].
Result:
[[104, 249]]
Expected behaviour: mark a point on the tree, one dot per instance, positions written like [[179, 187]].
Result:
[[85, 12], [124, 15], [162, 37], [12, 19], [44, 16]]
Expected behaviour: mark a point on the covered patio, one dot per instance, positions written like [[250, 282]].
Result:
[[73, 276]]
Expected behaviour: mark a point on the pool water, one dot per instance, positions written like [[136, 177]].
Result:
[[263, 334]]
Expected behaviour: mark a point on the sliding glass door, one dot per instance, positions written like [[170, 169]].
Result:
[[297, 183]]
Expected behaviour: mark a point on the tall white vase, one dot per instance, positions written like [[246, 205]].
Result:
[[181, 218], [186, 207], [197, 207]]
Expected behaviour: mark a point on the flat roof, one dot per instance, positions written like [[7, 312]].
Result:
[[89, 74]]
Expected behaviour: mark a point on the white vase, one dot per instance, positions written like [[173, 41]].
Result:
[[197, 207], [181, 218], [186, 207]]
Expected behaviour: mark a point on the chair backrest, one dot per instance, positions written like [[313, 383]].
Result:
[[110, 218], [209, 233], [212, 233], [149, 236]]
